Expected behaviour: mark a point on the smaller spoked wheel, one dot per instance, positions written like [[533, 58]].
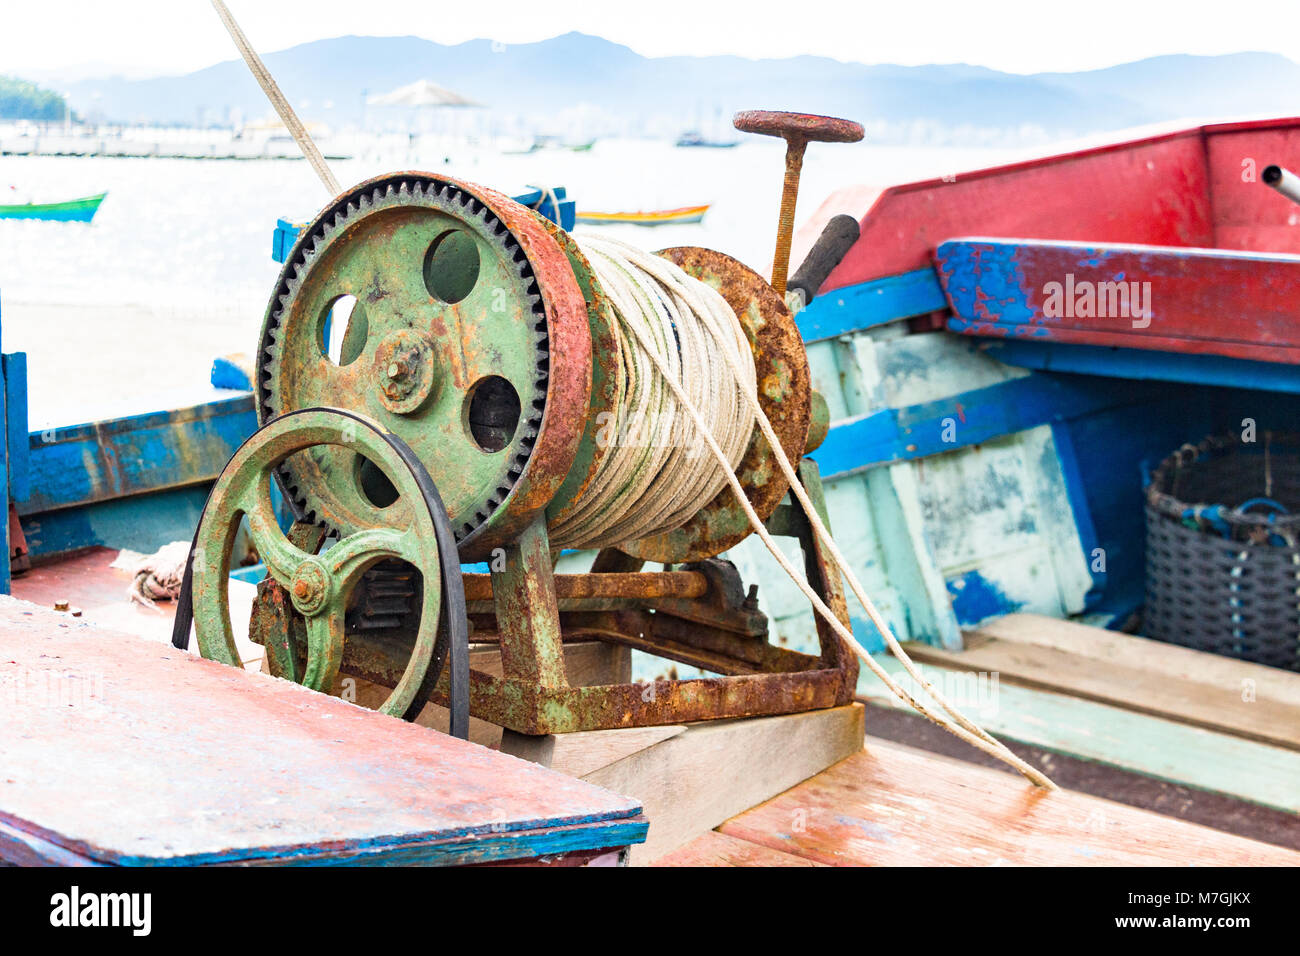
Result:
[[319, 585]]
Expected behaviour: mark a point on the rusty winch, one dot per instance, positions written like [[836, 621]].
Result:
[[460, 420]]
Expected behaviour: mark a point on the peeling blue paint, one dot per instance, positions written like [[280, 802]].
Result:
[[980, 274], [976, 599]]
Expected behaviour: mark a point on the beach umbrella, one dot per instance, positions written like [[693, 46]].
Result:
[[420, 93]]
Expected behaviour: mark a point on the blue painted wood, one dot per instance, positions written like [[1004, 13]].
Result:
[[853, 308], [931, 428], [1074, 487], [16, 451], [1147, 365], [466, 850], [539, 202], [1111, 449], [226, 374], [25, 849], [5, 579], [139, 522], [285, 235], [106, 460], [251, 574]]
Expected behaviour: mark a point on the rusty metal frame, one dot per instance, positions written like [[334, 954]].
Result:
[[533, 613]]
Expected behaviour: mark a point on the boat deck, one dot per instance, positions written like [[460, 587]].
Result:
[[896, 805], [123, 752], [757, 792]]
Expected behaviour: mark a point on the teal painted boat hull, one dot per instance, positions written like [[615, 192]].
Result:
[[72, 210]]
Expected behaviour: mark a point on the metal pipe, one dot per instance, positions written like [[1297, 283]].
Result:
[[1284, 181], [640, 585]]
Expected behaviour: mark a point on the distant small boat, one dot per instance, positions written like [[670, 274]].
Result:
[[696, 139], [660, 217], [71, 210]]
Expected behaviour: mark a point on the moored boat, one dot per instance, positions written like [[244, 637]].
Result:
[[658, 217], [696, 140], [69, 210]]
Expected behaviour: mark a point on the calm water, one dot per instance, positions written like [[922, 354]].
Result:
[[176, 268]]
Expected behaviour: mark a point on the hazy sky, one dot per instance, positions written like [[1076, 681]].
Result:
[[145, 37]]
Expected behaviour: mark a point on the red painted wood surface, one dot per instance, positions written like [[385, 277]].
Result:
[[120, 750], [1198, 302], [718, 849], [895, 805], [1179, 189]]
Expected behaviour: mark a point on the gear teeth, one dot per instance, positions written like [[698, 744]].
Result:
[[311, 245]]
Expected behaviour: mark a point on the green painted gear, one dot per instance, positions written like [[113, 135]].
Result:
[[449, 345]]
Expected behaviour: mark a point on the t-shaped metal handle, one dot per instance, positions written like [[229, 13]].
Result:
[[798, 130]]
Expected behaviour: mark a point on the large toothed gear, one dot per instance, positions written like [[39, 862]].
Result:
[[468, 338]]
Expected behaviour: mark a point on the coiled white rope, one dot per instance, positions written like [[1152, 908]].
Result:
[[655, 472], [620, 267]]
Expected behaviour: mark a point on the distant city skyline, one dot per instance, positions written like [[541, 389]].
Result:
[[72, 39]]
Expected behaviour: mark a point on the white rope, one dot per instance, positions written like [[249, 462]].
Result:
[[619, 260], [282, 107], [654, 473]]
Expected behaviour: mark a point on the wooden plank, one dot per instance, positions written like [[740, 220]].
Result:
[[968, 418], [853, 308], [1149, 677], [582, 754], [690, 783], [128, 752], [1192, 301], [1144, 364], [81, 464], [17, 452], [719, 849], [1164, 749], [1156, 657], [896, 806]]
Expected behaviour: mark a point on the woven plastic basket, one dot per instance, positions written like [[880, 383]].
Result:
[[1222, 555]]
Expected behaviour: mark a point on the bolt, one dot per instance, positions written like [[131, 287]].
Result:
[[61, 605], [751, 599], [797, 129], [301, 589]]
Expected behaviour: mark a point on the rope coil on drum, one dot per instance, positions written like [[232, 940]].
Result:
[[657, 473]]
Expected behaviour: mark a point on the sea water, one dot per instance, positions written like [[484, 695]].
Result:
[[127, 313]]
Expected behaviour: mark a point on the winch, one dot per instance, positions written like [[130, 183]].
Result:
[[489, 401]]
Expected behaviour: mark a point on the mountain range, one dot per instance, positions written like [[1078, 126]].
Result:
[[609, 89]]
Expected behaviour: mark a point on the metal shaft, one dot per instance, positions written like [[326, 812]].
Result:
[[795, 147], [282, 107], [1284, 181]]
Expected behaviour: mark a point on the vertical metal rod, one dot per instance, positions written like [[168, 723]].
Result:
[[282, 107], [795, 146]]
